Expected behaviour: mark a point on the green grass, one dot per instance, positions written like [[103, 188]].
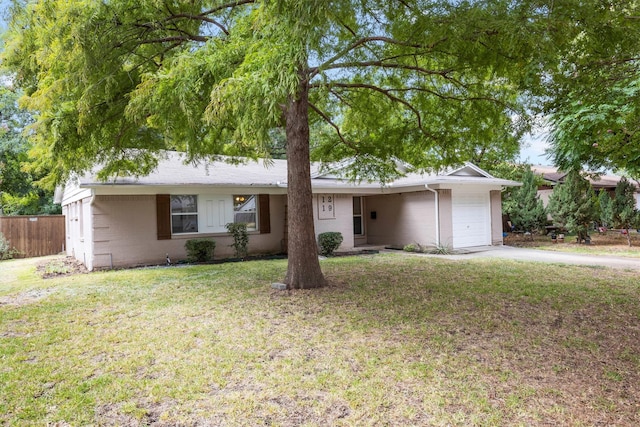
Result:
[[393, 340]]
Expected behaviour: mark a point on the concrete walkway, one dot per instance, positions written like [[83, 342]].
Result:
[[524, 254]]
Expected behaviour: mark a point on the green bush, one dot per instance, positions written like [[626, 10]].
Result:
[[412, 247], [329, 242], [240, 238], [200, 250], [6, 251]]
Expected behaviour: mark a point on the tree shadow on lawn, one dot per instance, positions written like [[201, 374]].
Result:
[[561, 343], [392, 340]]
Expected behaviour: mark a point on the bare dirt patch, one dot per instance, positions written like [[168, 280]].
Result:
[[60, 267], [142, 413], [27, 297]]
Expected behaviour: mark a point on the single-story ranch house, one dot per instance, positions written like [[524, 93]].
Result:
[[135, 221]]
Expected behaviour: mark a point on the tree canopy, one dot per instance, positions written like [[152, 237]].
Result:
[[18, 193], [13, 145], [594, 94], [430, 82]]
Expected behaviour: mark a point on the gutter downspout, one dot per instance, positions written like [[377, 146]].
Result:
[[437, 198], [92, 248]]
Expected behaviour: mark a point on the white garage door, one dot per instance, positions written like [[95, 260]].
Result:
[[471, 219]]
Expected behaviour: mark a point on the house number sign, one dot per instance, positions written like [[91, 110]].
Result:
[[326, 206]]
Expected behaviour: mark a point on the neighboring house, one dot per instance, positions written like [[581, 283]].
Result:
[[552, 177], [137, 221]]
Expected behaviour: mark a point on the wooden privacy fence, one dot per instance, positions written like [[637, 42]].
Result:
[[34, 236]]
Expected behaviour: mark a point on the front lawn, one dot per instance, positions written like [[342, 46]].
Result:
[[394, 340]]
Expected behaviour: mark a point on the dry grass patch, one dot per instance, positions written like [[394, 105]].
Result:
[[392, 341], [609, 243]]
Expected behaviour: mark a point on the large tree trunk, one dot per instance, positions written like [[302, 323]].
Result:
[[303, 270]]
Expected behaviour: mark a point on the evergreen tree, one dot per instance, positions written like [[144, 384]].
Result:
[[623, 207], [605, 205], [572, 205], [524, 207]]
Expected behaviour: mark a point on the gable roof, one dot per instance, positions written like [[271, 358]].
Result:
[[469, 169], [549, 173], [555, 176], [330, 177], [172, 170], [333, 170], [272, 174]]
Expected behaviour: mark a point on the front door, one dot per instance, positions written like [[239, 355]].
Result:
[[358, 221]]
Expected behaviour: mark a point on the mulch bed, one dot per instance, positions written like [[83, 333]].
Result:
[[60, 267]]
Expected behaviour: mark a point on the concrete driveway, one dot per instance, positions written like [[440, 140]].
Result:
[[523, 254]]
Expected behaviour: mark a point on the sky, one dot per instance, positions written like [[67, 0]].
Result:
[[4, 7], [533, 149], [4, 10]]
